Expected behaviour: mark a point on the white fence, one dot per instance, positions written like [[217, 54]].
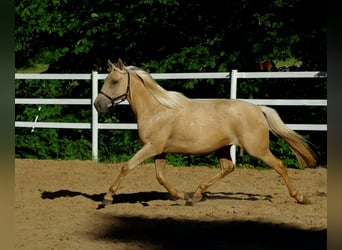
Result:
[[95, 77]]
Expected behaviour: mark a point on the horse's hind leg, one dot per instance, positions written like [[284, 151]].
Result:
[[226, 167], [159, 162], [280, 168]]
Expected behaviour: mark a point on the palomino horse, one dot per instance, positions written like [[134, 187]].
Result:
[[169, 122]]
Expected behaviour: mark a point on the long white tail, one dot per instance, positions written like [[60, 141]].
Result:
[[298, 144]]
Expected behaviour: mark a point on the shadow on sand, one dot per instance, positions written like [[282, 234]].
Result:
[[144, 197], [155, 233], [119, 198], [139, 197]]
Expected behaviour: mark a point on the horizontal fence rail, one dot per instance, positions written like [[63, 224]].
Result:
[[95, 77]]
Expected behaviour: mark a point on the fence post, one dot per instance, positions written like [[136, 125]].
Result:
[[94, 78], [233, 90]]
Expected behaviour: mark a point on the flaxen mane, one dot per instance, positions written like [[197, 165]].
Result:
[[170, 99]]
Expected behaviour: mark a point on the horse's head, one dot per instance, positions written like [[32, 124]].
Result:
[[115, 88]]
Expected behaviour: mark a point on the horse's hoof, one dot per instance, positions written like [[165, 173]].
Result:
[[301, 199], [305, 201], [106, 202], [188, 197], [199, 198], [191, 198]]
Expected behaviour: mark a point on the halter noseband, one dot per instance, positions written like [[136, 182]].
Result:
[[123, 96]]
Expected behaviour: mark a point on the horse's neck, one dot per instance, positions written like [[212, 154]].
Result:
[[141, 100]]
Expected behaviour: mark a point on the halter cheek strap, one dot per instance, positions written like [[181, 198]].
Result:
[[121, 97]]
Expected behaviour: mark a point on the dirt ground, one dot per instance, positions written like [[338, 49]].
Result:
[[56, 207]]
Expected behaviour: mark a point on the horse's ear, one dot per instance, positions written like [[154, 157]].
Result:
[[120, 64], [110, 65]]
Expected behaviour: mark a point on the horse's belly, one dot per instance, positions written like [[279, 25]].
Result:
[[197, 139]]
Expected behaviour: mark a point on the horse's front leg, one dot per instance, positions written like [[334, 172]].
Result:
[[160, 162], [143, 154]]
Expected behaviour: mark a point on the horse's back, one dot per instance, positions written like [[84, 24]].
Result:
[[206, 125], [231, 109]]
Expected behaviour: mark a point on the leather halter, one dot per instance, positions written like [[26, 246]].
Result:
[[123, 96]]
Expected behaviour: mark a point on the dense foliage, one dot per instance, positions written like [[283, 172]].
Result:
[[65, 36]]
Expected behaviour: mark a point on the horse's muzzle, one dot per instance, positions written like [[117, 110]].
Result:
[[102, 104]]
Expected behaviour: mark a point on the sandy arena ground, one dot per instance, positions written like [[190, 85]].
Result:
[[56, 208]]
